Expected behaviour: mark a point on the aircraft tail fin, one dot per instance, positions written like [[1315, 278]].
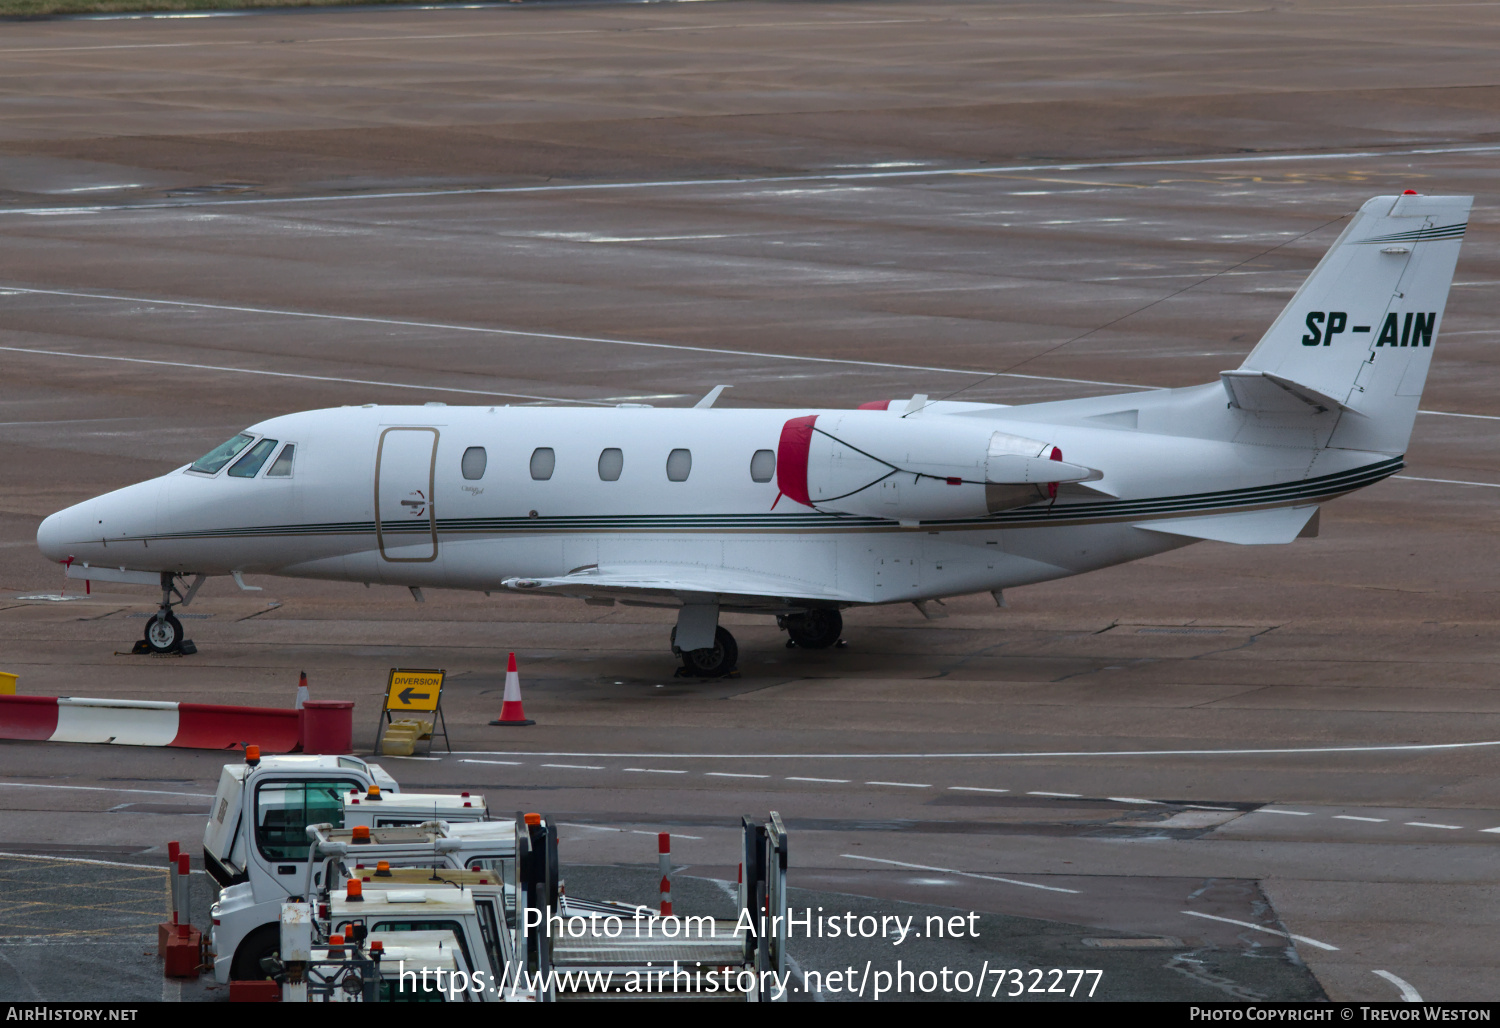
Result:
[[1358, 335]]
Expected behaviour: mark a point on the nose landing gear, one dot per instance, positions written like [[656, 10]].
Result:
[[164, 632]]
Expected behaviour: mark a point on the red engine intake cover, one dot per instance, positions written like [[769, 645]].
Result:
[[791, 458]]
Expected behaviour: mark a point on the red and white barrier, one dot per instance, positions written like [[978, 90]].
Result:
[[202, 726]]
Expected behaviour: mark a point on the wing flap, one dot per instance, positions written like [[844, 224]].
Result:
[[674, 584]]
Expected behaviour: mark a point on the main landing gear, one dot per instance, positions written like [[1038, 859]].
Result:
[[815, 629], [716, 661], [164, 632]]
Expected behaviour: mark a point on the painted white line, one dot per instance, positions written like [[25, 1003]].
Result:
[[974, 788], [305, 378], [511, 763], [1408, 994], [1127, 799], [394, 756], [562, 337], [488, 330], [675, 835], [1262, 928], [1060, 795], [771, 180], [1273, 810], [578, 767], [1452, 414], [903, 785], [730, 774], [1449, 481], [655, 771], [1351, 817], [622, 831], [963, 874], [1409, 747], [1490, 830], [98, 788], [845, 781], [162, 867], [1199, 806], [1428, 824]]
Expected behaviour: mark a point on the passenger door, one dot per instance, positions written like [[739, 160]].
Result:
[[405, 476]]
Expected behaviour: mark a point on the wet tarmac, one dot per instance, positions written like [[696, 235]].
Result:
[[204, 223]]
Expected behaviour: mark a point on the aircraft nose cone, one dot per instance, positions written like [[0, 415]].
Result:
[[55, 533]]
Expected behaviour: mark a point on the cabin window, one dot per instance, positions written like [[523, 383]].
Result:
[[763, 466], [473, 463], [543, 461], [679, 465], [213, 460], [250, 464], [611, 463], [281, 467]]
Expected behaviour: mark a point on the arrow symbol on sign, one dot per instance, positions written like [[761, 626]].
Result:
[[406, 695]]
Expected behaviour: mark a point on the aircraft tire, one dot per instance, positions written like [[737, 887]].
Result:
[[164, 634], [714, 661], [815, 629]]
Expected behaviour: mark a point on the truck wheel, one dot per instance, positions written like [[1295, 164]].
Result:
[[265, 941]]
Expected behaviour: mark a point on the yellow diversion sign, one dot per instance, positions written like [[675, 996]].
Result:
[[414, 689]]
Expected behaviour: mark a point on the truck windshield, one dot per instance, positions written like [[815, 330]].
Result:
[[283, 810], [213, 460]]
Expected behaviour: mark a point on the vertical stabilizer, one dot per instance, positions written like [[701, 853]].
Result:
[[1360, 331]]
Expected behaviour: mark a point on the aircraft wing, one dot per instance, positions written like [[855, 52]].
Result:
[[1250, 528], [669, 585]]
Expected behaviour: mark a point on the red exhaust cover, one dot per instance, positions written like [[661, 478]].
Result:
[[791, 458]]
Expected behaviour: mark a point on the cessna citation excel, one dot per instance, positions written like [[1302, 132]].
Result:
[[802, 513]]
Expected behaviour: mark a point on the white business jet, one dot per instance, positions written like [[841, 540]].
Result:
[[802, 513]]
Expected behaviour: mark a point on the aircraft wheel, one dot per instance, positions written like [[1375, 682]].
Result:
[[815, 629], [164, 634], [714, 661]]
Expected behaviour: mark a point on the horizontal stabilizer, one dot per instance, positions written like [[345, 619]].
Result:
[[1251, 528], [1267, 393]]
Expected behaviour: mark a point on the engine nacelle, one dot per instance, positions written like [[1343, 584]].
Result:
[[918, 468]]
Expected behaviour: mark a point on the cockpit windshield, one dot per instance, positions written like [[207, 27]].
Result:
[[213, 460], [249, 465]]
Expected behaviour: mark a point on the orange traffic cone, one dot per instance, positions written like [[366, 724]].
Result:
[[302, 693], [510, 710]]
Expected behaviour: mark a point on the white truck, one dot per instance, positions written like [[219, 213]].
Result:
[[422, 965], [485, 933], [255, 844], [383, 810]]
